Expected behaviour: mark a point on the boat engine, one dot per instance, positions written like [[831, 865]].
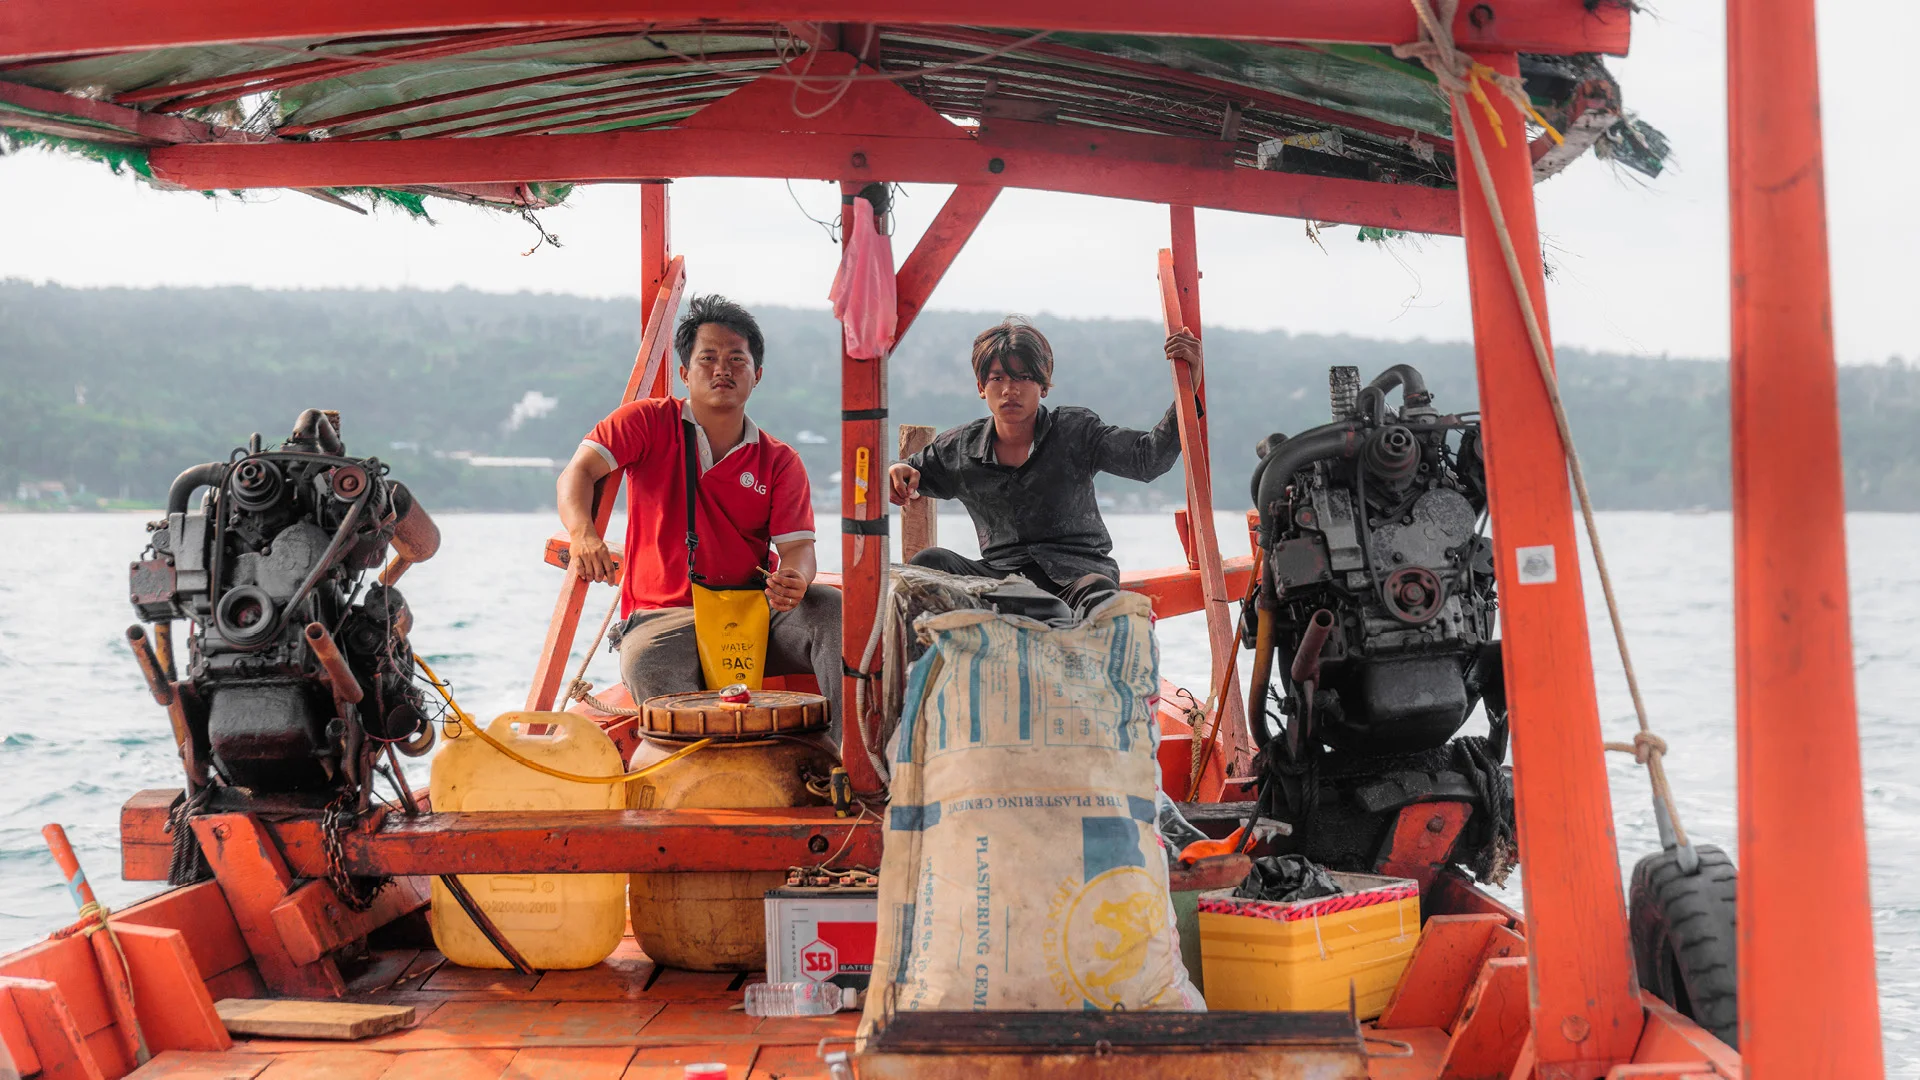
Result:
[[1376, 604], [295, 676]]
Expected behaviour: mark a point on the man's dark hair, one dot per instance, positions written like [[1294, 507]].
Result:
[[724, 312], [1023, 352]]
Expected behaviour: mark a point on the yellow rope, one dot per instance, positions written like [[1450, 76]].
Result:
[[467, 722]]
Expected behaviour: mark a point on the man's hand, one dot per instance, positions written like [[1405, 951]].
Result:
[[903, 481], [589, 557], [785, 588], [1182, 345]]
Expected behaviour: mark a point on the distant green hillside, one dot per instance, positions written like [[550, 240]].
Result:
[[116, 390]]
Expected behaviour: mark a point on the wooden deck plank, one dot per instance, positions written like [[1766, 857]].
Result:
[[808, 1029], [790, 1063], [582, 1063], [670, 1062], [676, 985], [690, 1020], [449, 1065], [613, 979], [482, 980], [332, 1064], [311, 1019], [200, 1065]]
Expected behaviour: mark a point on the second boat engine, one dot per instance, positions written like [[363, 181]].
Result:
[[295, 676], [1373, 617]]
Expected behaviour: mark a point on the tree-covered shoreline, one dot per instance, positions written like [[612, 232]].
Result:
[[114, 391]]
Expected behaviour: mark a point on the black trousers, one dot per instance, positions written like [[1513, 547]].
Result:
[[1082, 595]]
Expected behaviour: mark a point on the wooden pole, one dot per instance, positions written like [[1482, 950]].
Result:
[[919, 519], [1180, 303], [1585, 1002], [662, 279], [1803, 1014]]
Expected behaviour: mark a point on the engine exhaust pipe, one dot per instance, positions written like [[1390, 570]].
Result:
[[1306, 661], [339, 677], [157, 683], [415, 536]]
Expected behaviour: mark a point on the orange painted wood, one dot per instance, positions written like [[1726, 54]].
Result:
[[569, 1063], [110, 1051], [193, 1065], [50, 28], [58, 1043], [792, 1062], [649, 378], [1180, 304], [1072, 166], [1404, 1053], [254, 879], [145, 862], [863, 559], [1176, 590], [13, 1036], [1523, 1063], [143, 818], [1455, 894], [201, 915], [449, 1065], [1444, 964], [331, 1064], [1697, 1070], [1493, 1025], [176, 1012], [69, 964], [1423, 837], [1583, 978], [1670, 1037], [313, 922], [581, 842], [1793, 649], [670, 1062], [935, 251], [239, 982], [692, 1020]]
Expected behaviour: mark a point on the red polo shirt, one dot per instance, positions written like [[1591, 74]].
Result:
[[754, 497]]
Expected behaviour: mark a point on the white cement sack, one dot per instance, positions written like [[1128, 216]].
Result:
[[1022, 867]]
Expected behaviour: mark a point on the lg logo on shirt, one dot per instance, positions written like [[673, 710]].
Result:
[[746, 481]]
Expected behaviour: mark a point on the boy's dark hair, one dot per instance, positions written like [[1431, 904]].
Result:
[[1023, 352], [717, 309]]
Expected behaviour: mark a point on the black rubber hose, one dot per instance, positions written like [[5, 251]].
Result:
[[1406, 377], [1341, 440], [1284, 448], [313, 426], [184, 485]]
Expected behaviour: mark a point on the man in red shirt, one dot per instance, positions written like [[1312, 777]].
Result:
[[752, 496]]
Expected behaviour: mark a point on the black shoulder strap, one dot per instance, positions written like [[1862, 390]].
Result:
[[693, 488]]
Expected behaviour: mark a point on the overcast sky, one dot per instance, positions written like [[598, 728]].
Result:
[[1640, 266]]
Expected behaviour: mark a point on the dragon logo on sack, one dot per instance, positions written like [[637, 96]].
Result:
[[1100, 938]]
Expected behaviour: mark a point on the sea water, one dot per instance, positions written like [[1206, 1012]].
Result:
[[79, 734]]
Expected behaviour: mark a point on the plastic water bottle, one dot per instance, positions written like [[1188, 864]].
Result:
[[799, 999]]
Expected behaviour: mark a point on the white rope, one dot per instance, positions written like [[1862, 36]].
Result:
[[1460, 78]]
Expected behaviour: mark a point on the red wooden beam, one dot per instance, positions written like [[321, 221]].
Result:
[[50, 111], [1793, 645], [864, 458], [60, 27], [586, 842], [936, 250], [1586, 1013], [1087, 163]]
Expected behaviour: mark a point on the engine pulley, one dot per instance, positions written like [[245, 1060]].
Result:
[[1414, 594]]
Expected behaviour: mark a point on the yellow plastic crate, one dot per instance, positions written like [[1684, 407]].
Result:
[[1304, 956]]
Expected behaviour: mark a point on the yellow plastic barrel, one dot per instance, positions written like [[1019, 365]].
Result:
[[554, 920]]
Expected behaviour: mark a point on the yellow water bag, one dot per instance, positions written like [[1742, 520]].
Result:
[[556, 921], [730, 628]]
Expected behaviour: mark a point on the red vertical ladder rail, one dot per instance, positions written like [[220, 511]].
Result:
[[865, 381], [1584, 998], [1797, 732], [1180, 304], [663, 278]]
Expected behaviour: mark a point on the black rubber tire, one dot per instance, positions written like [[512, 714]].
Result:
[[1684, 939]]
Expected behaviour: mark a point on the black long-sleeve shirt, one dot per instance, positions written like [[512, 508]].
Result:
[[1043, 511]]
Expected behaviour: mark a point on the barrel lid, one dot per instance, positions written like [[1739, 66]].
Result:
[[700, 714]]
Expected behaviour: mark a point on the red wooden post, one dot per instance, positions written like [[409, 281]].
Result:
[[1797, 732], [1585, 1003], [863, 499], [1180, 299], [662, 278]]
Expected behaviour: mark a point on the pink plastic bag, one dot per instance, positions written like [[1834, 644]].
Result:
[[863, 293]]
